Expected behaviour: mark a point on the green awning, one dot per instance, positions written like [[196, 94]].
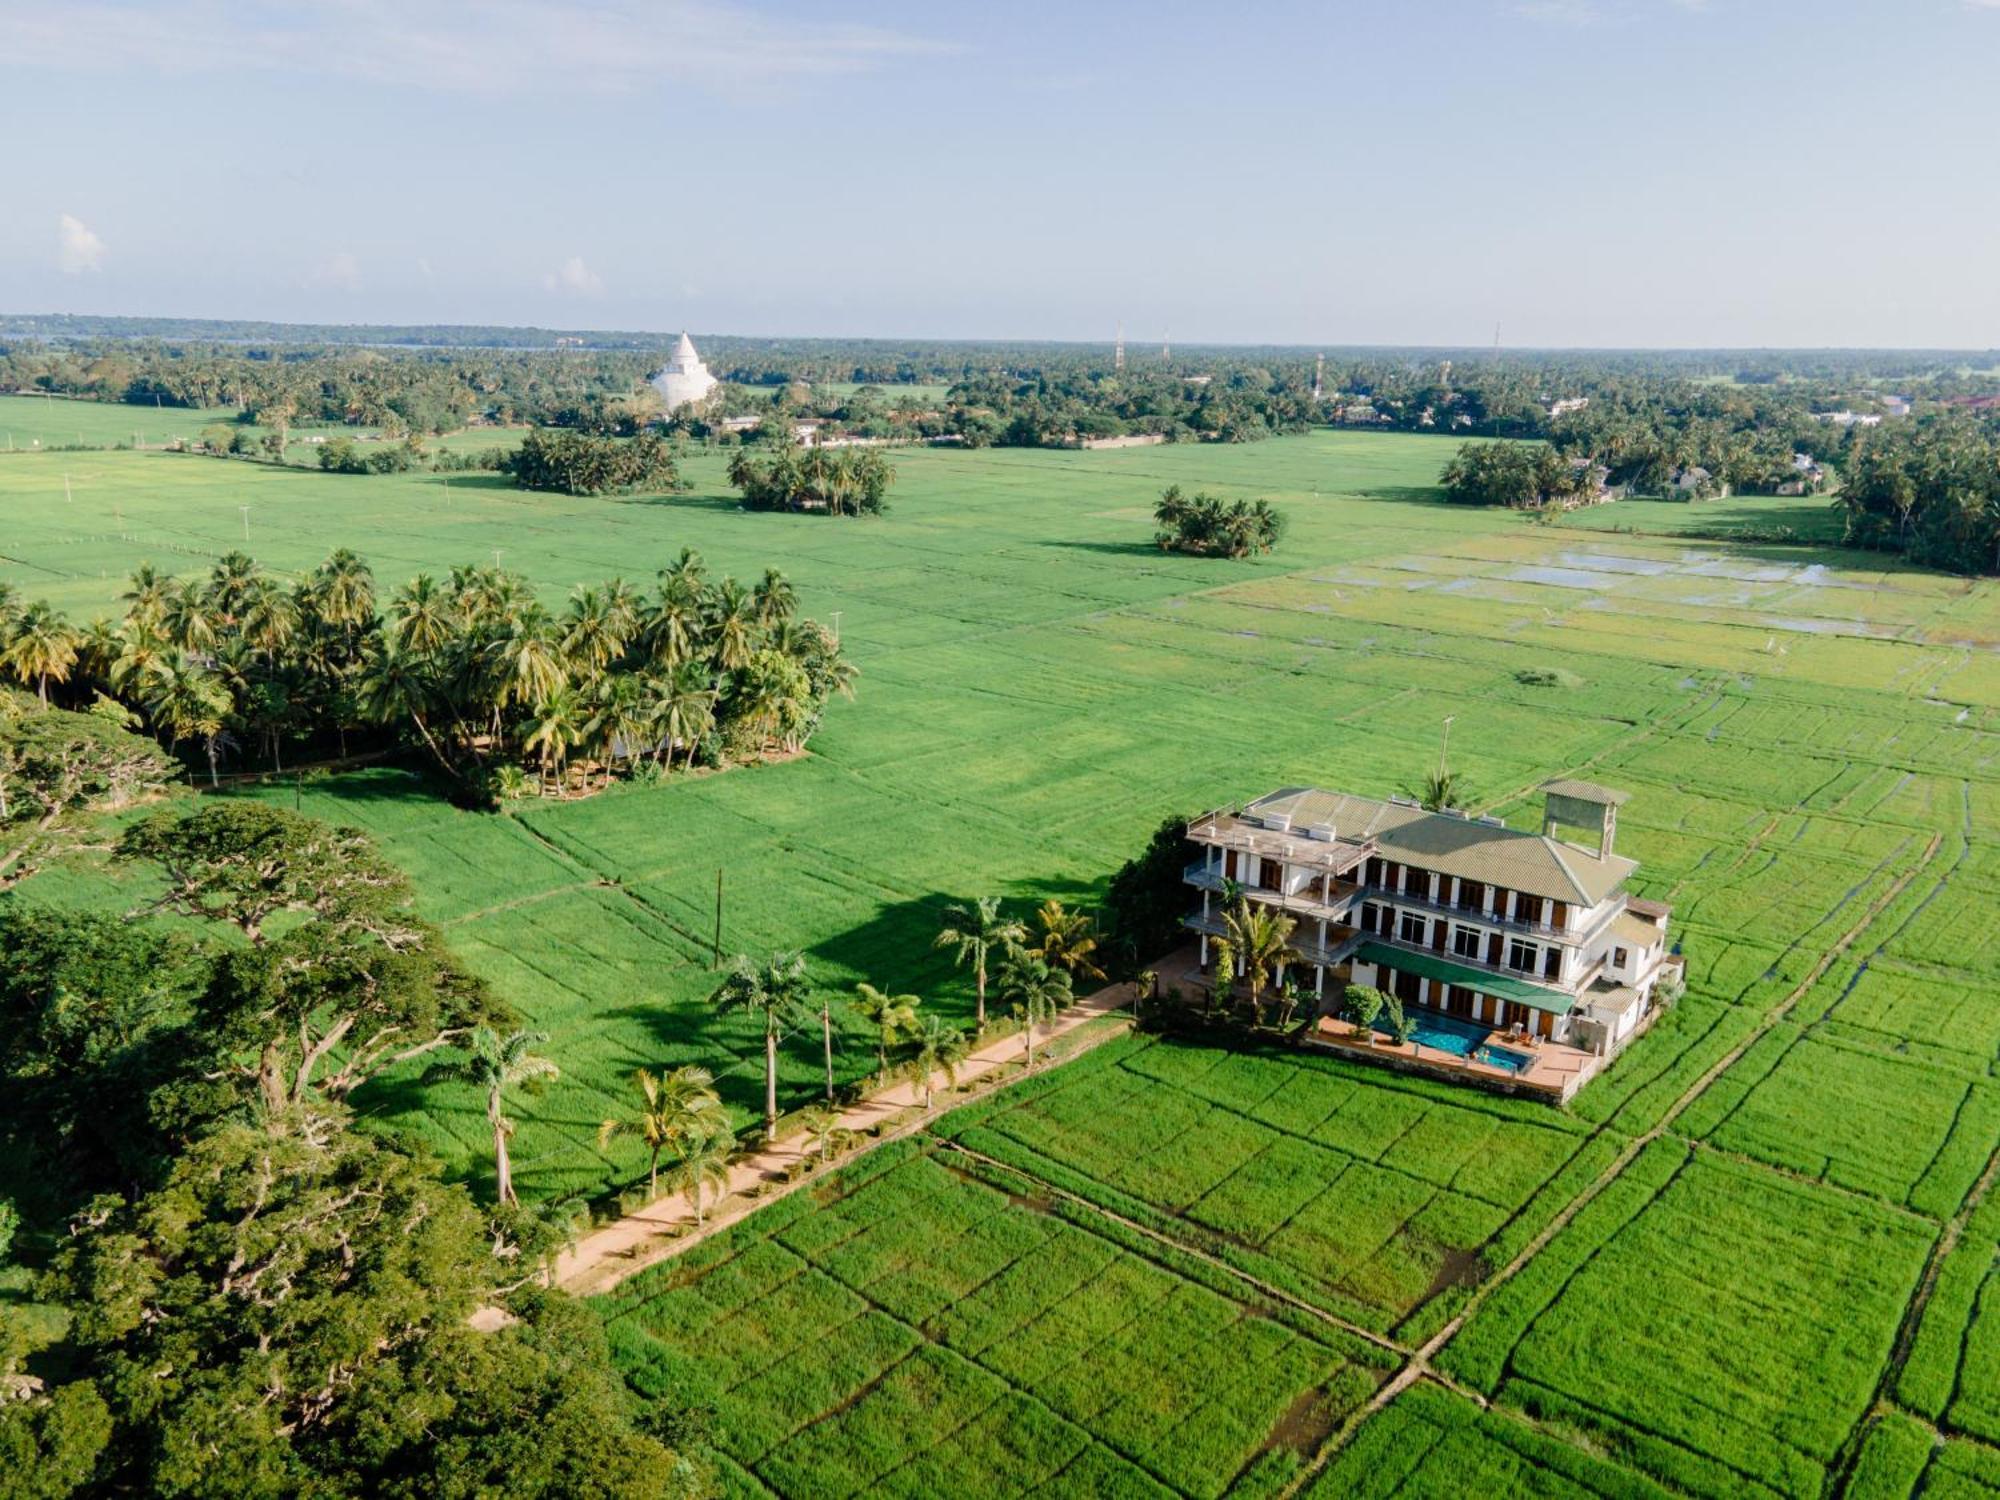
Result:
[[1437, 966]]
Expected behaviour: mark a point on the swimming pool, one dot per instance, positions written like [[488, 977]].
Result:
[[1461, 1038]]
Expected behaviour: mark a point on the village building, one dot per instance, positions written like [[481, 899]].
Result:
[[685, 381], [1520, 955]]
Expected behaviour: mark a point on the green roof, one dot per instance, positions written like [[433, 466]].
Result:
[[1437, 966]]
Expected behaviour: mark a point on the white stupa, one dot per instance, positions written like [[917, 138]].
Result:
[[685, 380]]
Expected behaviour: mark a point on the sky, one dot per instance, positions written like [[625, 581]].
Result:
[[1616, 173]]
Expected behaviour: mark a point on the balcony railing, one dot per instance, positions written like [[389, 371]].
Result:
[[1471, 914], [1554, 986], [1307, 899], [1338, 948]]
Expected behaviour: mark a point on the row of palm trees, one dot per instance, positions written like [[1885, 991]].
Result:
[[473, 666], [679, 1116]]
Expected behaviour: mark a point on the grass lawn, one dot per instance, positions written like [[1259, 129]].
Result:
[[28, 422], [1807, 735]]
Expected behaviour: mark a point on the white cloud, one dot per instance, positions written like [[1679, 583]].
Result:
[[78, 249], [485, 46], [574, 276], [340, 270]]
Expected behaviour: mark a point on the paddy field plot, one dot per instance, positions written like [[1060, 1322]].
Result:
[[1785, 1291]]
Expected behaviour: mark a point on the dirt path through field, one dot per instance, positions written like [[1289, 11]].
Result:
[[665, 1227]]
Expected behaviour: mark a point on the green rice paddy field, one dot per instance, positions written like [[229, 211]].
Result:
[[1755, 1257]]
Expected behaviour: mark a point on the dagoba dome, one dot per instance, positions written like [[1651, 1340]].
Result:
[[685, 380]]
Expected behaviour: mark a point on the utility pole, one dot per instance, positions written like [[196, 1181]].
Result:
[[67, 497], [1444, 743], [246, 521]]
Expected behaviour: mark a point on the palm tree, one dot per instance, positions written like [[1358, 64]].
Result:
[[526, 662], [700, 1164], [423, 616], [973, 933], [775, 991], [940, 1049], [496, 1064], [591, 636], [558, 723], [774, 599], [146, 599], [828, 1134], [189, 702], [1038, 993], [268, 617], [679, 1108], [732, 625], [894, 1017], [619, 724], [40, 644], [1443, 791], [396, 684], [683, 708], [230, 583], [1260, 938], [343, 590], [1068, 940], [190, 618], [675, 626]]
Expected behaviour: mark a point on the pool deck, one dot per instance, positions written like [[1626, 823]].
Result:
[[1556, 1073]]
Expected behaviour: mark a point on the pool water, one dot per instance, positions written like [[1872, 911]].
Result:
[[1463, 1039]]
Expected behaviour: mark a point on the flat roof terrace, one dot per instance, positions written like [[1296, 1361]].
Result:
[[1328, 852]]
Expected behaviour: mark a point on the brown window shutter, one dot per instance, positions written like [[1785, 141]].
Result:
[[1558, 915], [1440, 931], [1552, 962], [1493, 948]]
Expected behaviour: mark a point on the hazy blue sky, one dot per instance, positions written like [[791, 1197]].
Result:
[[1797, 172]]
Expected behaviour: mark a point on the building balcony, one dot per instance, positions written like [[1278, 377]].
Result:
[[1227, 831], [1502, 981], [1472, 914], [1334, 905], [1337, 949]]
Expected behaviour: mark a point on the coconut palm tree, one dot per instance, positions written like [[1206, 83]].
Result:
[[146, 597], [343, 590], [590, 636], [732, 625], [974, 933], [940, 1048], [141, 650], [190, 618], [620, 725], [683, 708], [678, 1108], [396, 685], [675, 625], [1259, 938], [1037, 991], [230, 583], [1068, 940], [556, 725], [268, 617], [1443, 791], [189, 702], [698, 1165], [424, 616], [525, 660], [497, 1064], [894, 1018], [774, 992], [774, 599], [40, 644]]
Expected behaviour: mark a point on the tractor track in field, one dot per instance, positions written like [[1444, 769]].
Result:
[[1419, 1364]]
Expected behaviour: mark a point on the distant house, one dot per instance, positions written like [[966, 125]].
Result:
[[1521, 955], [1695, 483], [1848, 418], [1567, 405], [1896, 406]]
